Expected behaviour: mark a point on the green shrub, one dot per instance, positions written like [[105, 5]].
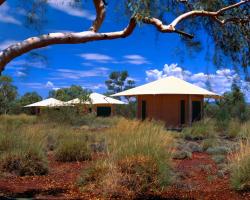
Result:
[[240, 168], [73, 148], [199, 130]]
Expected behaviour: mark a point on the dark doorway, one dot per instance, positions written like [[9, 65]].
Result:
[[196, 111], [183, 112], [103, 111], [143, 110]]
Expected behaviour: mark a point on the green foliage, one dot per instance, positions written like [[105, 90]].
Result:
[[26, 99], [8, 94], [118, 81], [232, 105], [127, 111], [200, 130], [67, 94], [73, 148]]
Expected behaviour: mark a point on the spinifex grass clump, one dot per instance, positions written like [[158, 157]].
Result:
[[240, 168], [21, 152], [138, 159], [200, 130], [73, 147]]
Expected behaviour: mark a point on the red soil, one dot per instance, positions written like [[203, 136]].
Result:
[[195, 182]]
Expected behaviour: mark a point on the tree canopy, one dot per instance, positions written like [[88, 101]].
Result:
[[72, 92], [8, 94], [227, 23]]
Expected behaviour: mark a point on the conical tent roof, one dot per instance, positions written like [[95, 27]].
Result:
[[51, 102], [168, 85], [97, 98]]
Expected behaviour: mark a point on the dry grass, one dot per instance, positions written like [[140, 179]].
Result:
[[138, 160], [240, 167]]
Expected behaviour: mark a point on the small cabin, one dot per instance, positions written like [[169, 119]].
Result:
[[172, 100]]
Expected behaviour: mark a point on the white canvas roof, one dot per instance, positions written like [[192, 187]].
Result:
[[97, 99], [51, 102], [168, 85]]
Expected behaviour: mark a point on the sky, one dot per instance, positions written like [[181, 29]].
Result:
[[146, 54]]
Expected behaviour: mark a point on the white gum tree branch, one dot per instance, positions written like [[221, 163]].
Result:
[[1, 2], [92, 34]]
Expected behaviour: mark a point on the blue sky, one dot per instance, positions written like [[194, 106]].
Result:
[[146, 54]]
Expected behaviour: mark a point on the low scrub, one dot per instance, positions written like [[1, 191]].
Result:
[[73, 148], [200, 130], [24, 162], [138, 159], [240, 168], [22, 149]]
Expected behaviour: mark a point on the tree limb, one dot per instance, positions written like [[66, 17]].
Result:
[[100, 15], [29, 44], [2, 1], [60, 38], [206, 13]]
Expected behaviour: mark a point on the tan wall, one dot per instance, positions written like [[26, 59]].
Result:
[[166, 107]]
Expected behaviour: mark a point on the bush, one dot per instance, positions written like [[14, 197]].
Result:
[[209, 143], [73, 148], [245, 131], [24, 162], [233, 129], [199, 130], [240, 168], [21, 147], [139, 155]]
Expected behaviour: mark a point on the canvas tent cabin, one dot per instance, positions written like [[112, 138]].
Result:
[[102, 105], [47, 103], [172, 100]]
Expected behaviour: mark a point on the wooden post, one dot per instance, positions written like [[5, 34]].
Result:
[[190, 109]]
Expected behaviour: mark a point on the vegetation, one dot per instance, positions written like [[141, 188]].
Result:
[[225, 22], [72, 92], [138, 160], [240, 168], [8, 93]]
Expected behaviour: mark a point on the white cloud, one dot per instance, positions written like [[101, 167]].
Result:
[[136, 59], [102, 58], [6, 43], [49, 84], [219, 82], [77, 74], [67, 7], [5, 16], [20, 74], [40, 64]]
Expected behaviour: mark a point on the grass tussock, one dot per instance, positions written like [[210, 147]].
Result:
[[200, 130], [22, 152], [138, 160], [240, 168], [73, 148]]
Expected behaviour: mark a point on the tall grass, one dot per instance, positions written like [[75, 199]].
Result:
[[21, 151], [138, 160], [240, 168], [203, 129]]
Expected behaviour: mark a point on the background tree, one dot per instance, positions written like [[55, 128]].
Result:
[[226, 23], [119, 81], [8, 94], [26, 99], [67, 94]]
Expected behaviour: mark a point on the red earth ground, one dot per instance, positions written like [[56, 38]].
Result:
[[195, 182]]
